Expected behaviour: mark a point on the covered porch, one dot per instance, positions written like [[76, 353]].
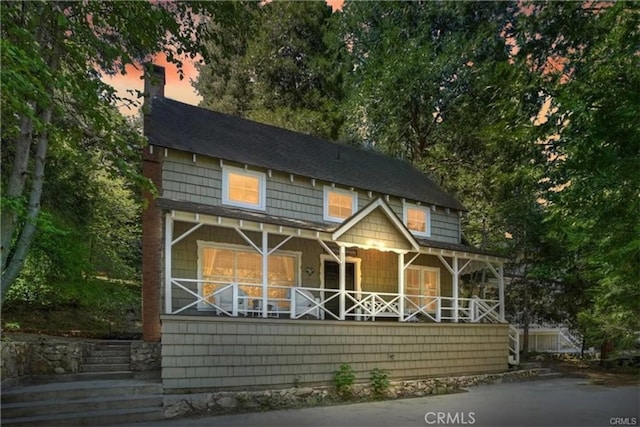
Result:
[[370, 268]]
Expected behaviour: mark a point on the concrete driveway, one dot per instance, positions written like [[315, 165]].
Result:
[[557, 402]]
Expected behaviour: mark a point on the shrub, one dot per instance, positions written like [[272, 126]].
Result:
[[343, 380], [379, 382]]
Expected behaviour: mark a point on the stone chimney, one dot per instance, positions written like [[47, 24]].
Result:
[[152, 224], [154, 81]]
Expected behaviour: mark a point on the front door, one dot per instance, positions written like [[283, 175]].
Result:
[[332, 281]]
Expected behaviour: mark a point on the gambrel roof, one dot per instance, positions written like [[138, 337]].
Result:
[[196, 130]]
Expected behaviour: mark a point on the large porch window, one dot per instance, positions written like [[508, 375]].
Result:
[[422, 286], [220, 266]]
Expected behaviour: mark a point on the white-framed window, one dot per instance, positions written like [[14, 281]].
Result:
[[422, 286], [417, 218], [220, 265], [339, 204], [243, 188]]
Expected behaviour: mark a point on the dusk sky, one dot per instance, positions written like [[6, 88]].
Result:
[[180, 90]]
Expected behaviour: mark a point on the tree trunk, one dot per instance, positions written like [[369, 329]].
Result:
[[605, 350], [15, 188], [525, 323], [16, 261]]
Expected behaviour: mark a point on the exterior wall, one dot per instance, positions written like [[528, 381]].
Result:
[[201, 182], [378, 226], [201, 354], [379, 271], [445, 227]]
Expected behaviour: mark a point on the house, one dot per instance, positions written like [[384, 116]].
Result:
[[271, 257]]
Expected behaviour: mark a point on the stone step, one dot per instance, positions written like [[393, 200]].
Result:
[[90, 418], [62, 406], [81, 376], [106, 367], [79, 390], [113, 343], [110, 353], [106, 360]]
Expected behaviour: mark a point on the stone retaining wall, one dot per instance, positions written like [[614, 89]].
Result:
[[51, 356], [227, 402], [42, 357]]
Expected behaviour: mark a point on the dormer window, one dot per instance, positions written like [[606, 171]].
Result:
[[243, 188], [339, 204], [417, 219]]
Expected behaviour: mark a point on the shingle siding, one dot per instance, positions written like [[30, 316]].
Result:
[[206, 353], [201, 182], [445, 227]]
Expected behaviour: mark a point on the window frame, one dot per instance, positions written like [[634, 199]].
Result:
[[262, 188], [325, 204], [421, 272], [427, 212], [297, 256]]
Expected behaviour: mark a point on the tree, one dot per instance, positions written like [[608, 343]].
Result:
[[432, 82], [53, 54], [594, 193], [277, 73]]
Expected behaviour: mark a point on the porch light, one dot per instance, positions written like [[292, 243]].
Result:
[[376, 244]]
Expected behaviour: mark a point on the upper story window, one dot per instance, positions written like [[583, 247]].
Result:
[[417, 219], [243, 188], [339, 204]]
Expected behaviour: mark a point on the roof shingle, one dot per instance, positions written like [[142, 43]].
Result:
[[196, 130]]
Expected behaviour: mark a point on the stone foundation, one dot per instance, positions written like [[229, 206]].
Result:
[[146, 359], [226, 402]]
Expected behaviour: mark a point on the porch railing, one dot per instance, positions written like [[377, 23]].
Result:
[[246, 299]]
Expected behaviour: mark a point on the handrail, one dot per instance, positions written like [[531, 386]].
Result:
[[489, 312], [514, 345]]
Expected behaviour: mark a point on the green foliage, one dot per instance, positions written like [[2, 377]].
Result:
[[89, 307], [12, 326], [276, 73], [54, 55], [343, 380], [595, 156], [379, 382]]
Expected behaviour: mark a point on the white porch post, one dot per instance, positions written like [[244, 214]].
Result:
[[168, 245], [265, 273], [401, 286], [456, 274], [501, 290], [342, 281]]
